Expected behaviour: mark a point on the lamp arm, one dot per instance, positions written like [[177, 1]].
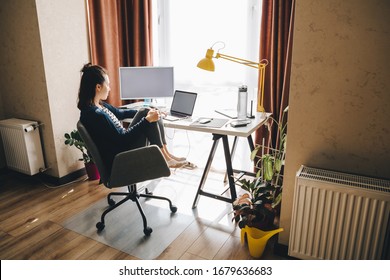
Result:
[[249, 63], [257, 65]]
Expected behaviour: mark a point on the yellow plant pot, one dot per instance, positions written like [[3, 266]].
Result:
[[257, 239]]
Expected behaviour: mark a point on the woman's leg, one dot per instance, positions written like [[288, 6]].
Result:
[[160, 124], [161, 127], [151, 132], [155, 136]]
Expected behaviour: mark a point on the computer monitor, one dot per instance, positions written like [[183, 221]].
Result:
[[146, 82]]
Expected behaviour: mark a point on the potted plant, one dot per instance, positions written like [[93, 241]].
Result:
[[74, 139], [257, 209], [257, 206], [255, 212]]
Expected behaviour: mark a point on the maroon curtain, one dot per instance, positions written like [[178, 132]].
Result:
[[276, 46], [120, 35]]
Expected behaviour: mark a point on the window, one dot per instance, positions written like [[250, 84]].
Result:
[[185, 29]]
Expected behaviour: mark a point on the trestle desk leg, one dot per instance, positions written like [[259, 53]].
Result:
[[229, 168], [207, 168], [232, 154]]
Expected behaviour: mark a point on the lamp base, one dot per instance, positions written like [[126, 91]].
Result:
[[251, 116]]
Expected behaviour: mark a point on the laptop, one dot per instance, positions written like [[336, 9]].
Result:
[[182, 107]]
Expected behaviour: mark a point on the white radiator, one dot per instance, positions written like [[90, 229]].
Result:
[[339, 216], [22, 145]]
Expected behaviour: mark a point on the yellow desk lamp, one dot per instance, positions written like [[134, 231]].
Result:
[[207, 63]]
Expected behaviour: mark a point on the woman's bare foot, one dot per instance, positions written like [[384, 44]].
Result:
[[172, 163], [177, 158], [166, 152]]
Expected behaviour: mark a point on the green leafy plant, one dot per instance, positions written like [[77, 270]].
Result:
[[270, 164], [257, 207], [260, 203], [74, 139]]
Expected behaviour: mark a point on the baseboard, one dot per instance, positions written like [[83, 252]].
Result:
[[45, 178], [282, 251], [3, 170], [63, 180]]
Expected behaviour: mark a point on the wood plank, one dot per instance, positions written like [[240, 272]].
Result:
[[103, 252], [9, 199], [233, 250], [188, 256], [184, 241], [50, 248], [13, 180], [78, 203], [22, 244], [209, 243], [4, 238], [124, 256], [75, 248], [30, 205], [57, 203]]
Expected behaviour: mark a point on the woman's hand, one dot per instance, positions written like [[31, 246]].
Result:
[[153, 115], [163, 114]]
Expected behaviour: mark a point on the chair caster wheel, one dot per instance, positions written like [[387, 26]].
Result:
[[100, 226], [148, 192], [111, 202], [148, 231], [173, 209]]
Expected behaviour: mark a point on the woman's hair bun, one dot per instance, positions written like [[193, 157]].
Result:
[[86, 67]]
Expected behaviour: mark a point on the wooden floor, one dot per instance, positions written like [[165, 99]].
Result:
[[31, 214]]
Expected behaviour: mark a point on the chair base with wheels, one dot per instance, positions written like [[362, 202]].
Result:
[[128, 169], [133, 195]]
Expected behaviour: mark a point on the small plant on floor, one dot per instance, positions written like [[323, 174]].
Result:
[[74, 139]]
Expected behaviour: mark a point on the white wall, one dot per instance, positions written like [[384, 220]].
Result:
[[340, 92], [44, 45], [21, 69], [64, 41]]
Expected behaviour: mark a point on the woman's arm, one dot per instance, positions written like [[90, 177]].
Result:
[[121, 113], [100, 124]]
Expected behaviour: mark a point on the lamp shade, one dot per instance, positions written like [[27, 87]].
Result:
[[207, 63]]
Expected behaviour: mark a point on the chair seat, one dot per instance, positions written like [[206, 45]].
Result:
[[138, 165]]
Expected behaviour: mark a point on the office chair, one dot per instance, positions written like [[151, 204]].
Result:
[[128, 169]]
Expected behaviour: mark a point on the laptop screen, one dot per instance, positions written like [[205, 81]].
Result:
[[183, 103]]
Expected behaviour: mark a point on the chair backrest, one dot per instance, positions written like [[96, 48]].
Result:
[[92, 148]]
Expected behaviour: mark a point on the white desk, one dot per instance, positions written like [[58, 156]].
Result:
[[221, 133]]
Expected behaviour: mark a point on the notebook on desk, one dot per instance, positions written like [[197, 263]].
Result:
[[182, 107], [212, 122]]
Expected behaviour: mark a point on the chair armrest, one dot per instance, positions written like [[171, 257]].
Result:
[[138, 165]]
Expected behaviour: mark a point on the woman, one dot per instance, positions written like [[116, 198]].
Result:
[[103, 120]]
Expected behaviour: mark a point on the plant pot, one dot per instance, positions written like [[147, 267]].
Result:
[[92, 171], [257, 239]]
